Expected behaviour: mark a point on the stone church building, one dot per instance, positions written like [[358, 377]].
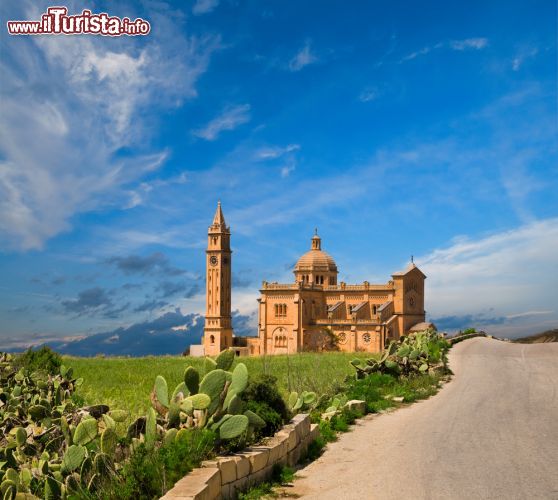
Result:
[[315, 311]]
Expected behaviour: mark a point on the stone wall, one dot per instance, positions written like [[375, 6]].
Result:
[[226, 476]]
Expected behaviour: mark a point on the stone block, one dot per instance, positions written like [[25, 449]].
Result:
[[292, 438], [293, 457], [258, 457], [277, 446], [226, 491], [200, 484], [227, 466], [237, 486], [301, 423], [242, 465], [261, 475], [314, 432], [356, 405], [214, 485]]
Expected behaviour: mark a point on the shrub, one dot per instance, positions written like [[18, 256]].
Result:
[[273, 420], [40, 359], [263, 389]]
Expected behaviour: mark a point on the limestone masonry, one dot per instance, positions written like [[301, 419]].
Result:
[[315, 312]]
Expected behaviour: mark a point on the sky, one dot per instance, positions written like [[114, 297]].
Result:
[[395, 128]]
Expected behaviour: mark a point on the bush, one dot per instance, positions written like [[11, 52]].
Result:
[[262, 392], [40, 359], [273, 420], [149, 473]]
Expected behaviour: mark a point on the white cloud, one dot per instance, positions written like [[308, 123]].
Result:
[[459, 45], [69, 104], [274, 152], [369, 94], [229, 119], [303, 58], [204, 6], [469, 43], [522, 55], [509, 275], [288, 168]]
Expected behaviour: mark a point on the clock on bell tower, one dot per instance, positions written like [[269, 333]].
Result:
[[218, 321]]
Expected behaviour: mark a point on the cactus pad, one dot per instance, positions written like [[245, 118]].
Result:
[[150, 428], [161, 391], [73, 458], [109, 440], [225, 359], [200, 401], [233, 427], [192, 380], [86, 431]]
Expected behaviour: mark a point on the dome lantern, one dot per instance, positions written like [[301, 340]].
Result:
[[316, 267]]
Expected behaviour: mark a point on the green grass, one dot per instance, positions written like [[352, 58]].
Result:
[[126, 383]]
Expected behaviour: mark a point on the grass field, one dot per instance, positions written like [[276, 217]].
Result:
[[125, 383]]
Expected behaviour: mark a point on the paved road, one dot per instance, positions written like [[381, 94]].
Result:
[[492, 432]]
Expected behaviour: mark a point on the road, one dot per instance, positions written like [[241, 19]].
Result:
[[490, 433]]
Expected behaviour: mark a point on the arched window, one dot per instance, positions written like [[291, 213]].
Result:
[[212, 339], [374, 309]]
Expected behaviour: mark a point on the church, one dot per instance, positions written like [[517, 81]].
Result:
[[315, 312]]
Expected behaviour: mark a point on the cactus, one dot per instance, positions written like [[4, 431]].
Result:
[[210, 364], [170, 436], [415, 353], [293, 398], [239, 382], [235, 405], [192, 379], [212, 385], [150, 428], [233, 427], [254, 419], [85, 432], [179, 393], [200, 401], [73, 458], [309, 398], [20, 436], [109, 440], [225, 359], [160, 395]]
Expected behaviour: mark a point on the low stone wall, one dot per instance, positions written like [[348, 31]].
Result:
[[456, 340], [226, 476]]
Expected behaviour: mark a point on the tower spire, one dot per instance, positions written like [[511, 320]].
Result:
[[219, 218]]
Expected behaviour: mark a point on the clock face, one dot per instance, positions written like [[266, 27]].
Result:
[[213, 260]]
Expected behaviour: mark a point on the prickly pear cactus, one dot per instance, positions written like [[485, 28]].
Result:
[[417, 353]]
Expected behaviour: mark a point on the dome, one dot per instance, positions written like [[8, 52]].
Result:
[[316, 259]]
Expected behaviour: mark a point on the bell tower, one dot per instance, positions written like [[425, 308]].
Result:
[[218, 322]]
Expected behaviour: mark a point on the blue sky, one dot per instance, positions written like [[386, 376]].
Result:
[[395, 129]]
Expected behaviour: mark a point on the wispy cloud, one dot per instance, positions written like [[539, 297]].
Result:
[[369, 94], [303, 58], [59, 149], [229, 119], [459, 45], [522, 55], [497, 272], [204, 6], [468, 43], [274, 152]]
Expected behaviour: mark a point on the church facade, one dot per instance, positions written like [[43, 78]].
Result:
[[315, 311]]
